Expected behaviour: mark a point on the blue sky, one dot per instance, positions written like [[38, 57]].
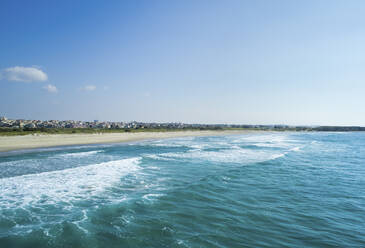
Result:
[[205, 61]]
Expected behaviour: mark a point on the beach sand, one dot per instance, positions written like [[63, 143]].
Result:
[[11, 143]]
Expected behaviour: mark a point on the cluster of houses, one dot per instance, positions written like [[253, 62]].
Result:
[[39, 124]]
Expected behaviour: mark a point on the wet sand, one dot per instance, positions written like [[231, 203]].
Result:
[[11, 143]]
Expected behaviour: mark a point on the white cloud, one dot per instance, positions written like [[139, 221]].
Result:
[[51, 88], [24, 74], [89, 88]]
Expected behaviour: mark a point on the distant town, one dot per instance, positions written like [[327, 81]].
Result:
[[44, 125], [39, 124]]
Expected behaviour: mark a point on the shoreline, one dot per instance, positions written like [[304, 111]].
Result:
[[14, 143]]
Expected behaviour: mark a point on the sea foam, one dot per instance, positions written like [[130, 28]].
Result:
[[64, 185], [80, 154]]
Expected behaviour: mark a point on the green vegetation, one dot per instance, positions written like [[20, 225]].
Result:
[[4, 131], [26, 131]]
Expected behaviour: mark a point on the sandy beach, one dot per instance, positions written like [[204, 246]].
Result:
[[11, 143]]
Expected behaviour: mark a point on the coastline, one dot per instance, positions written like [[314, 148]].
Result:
[[13, 143]]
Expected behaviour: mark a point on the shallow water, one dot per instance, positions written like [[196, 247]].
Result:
[[251, 190]]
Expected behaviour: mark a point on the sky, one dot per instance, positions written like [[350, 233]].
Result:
[[193, 61]]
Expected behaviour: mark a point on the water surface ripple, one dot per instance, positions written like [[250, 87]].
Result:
[[252, 190]]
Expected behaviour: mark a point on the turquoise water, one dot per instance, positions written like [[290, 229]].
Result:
[[251, 190]]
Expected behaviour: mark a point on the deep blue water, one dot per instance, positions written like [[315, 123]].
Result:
[[252, 190]]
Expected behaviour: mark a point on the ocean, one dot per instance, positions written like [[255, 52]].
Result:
[[259, 189]]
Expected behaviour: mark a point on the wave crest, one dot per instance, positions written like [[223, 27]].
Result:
[[64, 185]]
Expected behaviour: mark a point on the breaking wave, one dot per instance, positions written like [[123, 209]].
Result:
[[64, 185], [80, 154]]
